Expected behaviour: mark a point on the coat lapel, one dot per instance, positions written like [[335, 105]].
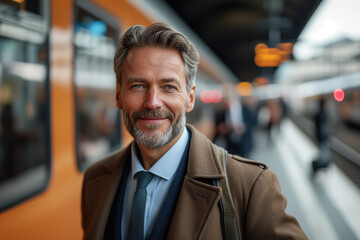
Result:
[[196, 202], [198, 198], [105, 188]]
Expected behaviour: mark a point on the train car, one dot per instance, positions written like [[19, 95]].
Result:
[[57, 107]]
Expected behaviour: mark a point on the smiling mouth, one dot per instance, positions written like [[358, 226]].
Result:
[[152, 119], [153, 116]]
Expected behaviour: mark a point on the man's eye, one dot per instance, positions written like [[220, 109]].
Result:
[[170, 87], [137, 86]]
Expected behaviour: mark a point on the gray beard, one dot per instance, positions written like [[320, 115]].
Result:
[[150, 139]]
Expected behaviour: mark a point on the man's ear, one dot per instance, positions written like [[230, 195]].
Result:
[[191, 100], [118, 97]]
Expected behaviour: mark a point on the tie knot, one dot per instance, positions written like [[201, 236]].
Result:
[[143, 179]]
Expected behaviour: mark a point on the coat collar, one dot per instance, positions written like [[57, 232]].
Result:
[[116, 161], [203, 157]]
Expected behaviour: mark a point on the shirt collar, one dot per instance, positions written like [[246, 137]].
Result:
[[166, 166]]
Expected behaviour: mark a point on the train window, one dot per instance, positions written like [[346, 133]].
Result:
[[24, 101], [98, 130]]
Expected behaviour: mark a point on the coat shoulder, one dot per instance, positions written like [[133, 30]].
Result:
[[245, 170], [248, 162]]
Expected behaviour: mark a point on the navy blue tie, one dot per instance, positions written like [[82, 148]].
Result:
[[136, 227]]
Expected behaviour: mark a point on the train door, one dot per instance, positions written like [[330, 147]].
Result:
[[24, 101], [98, 130]]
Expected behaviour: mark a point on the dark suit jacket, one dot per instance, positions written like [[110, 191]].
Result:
[[255, 191]]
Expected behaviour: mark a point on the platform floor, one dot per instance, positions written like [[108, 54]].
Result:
[[327, 205]]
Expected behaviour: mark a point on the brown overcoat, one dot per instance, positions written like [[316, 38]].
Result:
[[255, 191]]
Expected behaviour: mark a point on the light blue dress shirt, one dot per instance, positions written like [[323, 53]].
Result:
[[159, 186]]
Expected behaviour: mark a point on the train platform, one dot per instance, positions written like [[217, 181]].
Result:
[[326, 204]]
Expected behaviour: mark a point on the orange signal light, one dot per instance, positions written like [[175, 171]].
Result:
[[272, 57], [244, 88]]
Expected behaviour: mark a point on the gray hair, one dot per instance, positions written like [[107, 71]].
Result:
[[157, 35]]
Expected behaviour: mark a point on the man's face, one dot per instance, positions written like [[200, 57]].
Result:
[[153, 96]]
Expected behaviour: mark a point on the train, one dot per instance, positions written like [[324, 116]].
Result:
[[57, 102], [57, 107]]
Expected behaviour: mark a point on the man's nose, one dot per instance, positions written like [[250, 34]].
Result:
[[153, 99]]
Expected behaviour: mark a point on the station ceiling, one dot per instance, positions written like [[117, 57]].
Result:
[[232, 28]]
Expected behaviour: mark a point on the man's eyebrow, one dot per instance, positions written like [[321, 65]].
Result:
[[170, 80], [135, 80], [132, 80]]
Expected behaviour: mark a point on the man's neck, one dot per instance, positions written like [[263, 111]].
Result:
[[149, 156]]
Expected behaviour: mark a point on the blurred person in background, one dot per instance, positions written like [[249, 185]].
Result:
[[164, 184], [249, 113], [269, 116], [275, 110], [229, 123], [322, 134]]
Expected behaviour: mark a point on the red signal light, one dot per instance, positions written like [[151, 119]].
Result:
[[204, 96], [211, 96], [339, 94], [216, 96]]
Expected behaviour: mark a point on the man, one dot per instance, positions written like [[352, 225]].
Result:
[[155, 70]]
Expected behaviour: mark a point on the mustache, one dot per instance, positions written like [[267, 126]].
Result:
[[153, 113]]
